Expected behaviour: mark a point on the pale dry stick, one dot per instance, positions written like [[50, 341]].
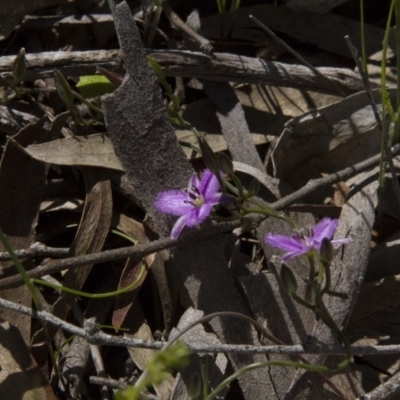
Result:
[[111, 383], [336, 177], [191, 236], [386, 390], [94, 336], [37, 250], [99, 365], [205, 44], [367, 87]]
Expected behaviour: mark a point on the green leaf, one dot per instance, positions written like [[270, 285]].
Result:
[[94, 85]]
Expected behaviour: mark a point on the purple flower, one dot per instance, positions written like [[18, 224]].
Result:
[[305, 242], [194, 205]]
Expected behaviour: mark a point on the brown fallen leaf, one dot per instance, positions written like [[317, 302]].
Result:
[[90, 151], [95, 222]]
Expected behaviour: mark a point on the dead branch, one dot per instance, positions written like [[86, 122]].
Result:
[[221, 67]]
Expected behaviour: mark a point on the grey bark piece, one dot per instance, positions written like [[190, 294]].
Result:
[[145, 142], [138, 124]]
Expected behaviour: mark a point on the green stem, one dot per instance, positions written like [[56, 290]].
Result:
[[94, 295], [328, 279]]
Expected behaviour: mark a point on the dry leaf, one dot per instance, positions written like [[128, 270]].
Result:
[[94, 225], [90, 151]]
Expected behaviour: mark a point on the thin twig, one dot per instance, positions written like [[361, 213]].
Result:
[[99, 365], [111, 383], [336, 177], [205, 44], [37, 250]]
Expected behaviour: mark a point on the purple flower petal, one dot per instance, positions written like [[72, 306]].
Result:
[[290, 255], [338, 242], [194, 206], [324, 229], [302, 243], [198, 214], [194, 182], [209, 185], [174, 202], [290, 244], [179, 225]]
